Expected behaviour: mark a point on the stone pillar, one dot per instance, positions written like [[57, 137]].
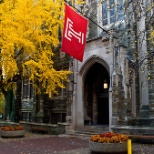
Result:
[[40, 114], [79, 102], [34, 111], [110, 99], [110, 108], [74, 103], [142, 46], [34, 105], [70, 89], [133, 96], [69, 108]]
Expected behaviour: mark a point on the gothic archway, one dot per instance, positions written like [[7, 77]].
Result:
[[96, 101]]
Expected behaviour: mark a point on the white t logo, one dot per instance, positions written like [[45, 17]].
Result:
[[69, 32]]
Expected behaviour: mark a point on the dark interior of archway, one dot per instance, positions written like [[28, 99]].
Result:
[[93, 85]]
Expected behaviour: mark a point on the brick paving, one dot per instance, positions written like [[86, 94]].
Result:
[[50, 144]]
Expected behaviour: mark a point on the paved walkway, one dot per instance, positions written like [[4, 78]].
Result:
[[50, 144]]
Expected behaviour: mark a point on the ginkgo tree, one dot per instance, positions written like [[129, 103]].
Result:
[[29, 31]]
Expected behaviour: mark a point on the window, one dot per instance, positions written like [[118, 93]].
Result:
[[112, 11], [105, 20], [120, 10], [27, 89]]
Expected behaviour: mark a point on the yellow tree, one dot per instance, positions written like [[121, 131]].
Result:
[[29, 31]]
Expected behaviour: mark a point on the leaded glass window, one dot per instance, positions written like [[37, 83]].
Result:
[[112, 11], [120, 10], [105, 19]]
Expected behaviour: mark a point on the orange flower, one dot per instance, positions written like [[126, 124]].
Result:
[[12, 128], [109, 137]]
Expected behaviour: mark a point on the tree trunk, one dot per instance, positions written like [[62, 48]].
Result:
[[18, 101], [8, 96], [5, 100]]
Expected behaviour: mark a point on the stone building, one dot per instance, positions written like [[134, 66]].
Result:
[[113, 86], [120, 55]]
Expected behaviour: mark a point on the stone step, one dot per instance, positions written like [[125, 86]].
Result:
[[151, 103], [141, 121], [89, 133], [134, 130], [151, 90], [94, 128], [151, 115], [81, 135], [90, 130]]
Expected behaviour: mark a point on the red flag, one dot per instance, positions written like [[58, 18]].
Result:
[[74, 33]]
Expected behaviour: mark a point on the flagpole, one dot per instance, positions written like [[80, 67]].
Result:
[[87, 17]]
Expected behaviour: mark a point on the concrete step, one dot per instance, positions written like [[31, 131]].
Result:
[[89, 130], [80, 135]]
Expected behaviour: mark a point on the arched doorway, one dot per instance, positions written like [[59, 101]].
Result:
[[96, 101]]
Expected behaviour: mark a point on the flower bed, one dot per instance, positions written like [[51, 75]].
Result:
[[12, 131], [108, 143], [12, 128]]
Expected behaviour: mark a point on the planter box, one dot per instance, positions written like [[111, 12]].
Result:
[[11, 134], [108, 147]]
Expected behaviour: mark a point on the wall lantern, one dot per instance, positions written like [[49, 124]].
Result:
[[105, 84]]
